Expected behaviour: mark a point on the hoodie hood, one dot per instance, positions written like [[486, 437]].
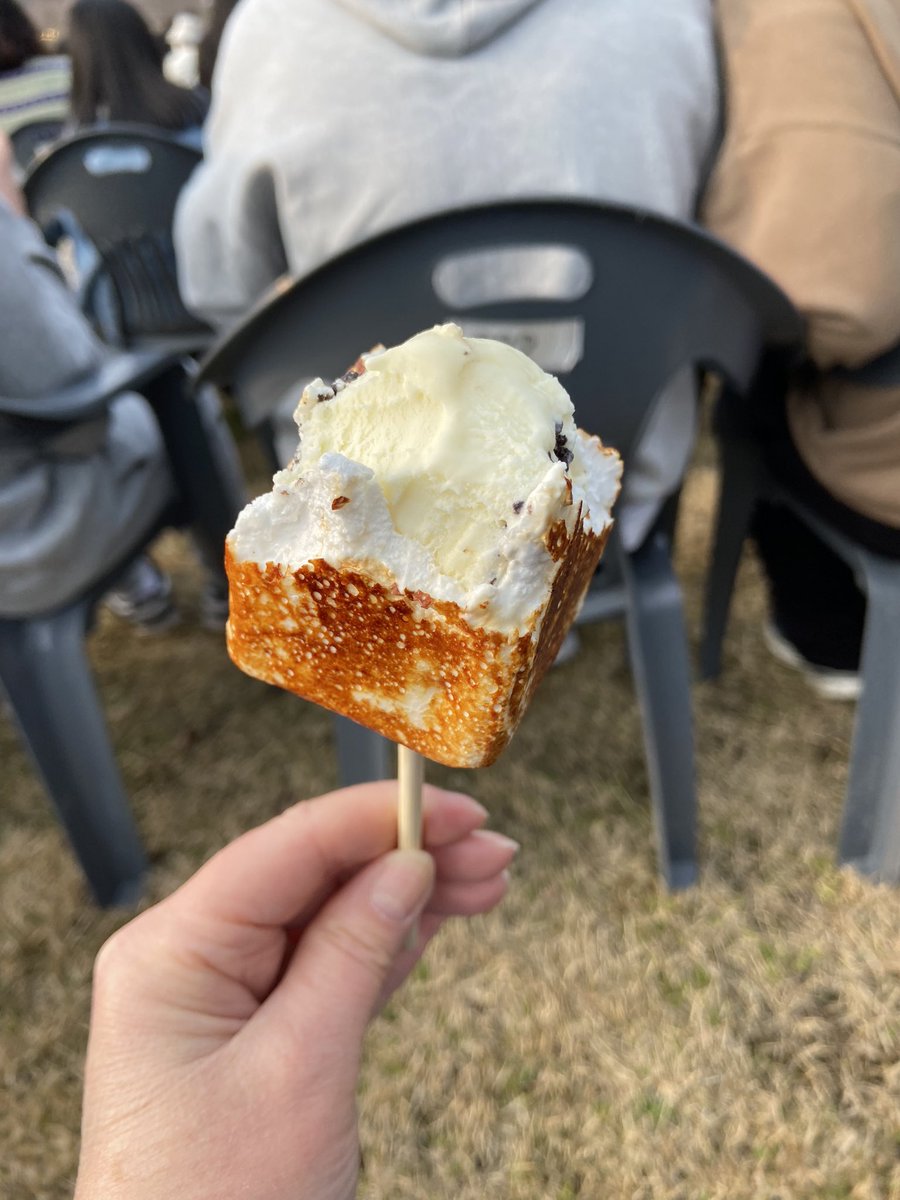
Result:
[[441, 28]]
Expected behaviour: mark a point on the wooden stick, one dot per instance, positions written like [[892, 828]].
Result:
[[410, 777]]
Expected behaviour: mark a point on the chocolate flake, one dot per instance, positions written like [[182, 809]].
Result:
[[339, 502], [561, 449]]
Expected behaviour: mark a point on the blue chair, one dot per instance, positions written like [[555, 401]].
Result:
[[654, 297]]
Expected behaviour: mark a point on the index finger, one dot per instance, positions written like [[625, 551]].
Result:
[[269, 875]]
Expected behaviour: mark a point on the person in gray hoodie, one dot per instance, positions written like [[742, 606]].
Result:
[[333, 120]]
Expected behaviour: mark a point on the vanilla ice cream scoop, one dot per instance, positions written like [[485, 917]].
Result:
[[417, 564]]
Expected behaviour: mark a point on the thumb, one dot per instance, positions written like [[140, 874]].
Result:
[[337, 974]]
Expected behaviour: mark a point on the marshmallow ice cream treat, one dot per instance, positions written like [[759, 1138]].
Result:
[[418, 563]]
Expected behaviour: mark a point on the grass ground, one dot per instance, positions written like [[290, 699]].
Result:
[[593, 1038]]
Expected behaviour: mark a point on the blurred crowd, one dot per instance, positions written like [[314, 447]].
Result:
[[321, 122], [108, 65]]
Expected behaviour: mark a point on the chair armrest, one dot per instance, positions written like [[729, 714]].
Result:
[[127, 371]]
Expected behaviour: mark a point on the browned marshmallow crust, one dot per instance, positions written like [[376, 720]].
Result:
[[341, 639]]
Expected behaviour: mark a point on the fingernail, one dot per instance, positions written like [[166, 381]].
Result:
[[476, 808], [403, 884], [499, 839]]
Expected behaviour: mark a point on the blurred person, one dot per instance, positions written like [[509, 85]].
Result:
[[333, 120], [117, 73], [227, 1021], [219, 12], [808, 186], [34, 86], [75, 497]]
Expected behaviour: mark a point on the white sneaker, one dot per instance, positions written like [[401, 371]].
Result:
[[143, 596], [829, 682]]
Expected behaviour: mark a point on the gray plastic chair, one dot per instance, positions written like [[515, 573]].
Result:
[[114, 189], [655, 297], [32, 139], [870, 829], [44, 669]]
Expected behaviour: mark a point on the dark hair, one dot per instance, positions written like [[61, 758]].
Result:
[[209, 44], [18, 37], [117, 70]]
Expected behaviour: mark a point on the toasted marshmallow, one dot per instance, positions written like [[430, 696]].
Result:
[[438, 469], [418, 563]]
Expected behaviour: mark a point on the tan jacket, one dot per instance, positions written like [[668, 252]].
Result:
[[807, 185]]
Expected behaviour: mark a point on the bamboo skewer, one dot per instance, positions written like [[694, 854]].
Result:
[[410, 777]]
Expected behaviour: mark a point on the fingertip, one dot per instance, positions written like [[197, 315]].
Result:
[[460, 800], [449, 816], [480, 854], [498, 841], [469, 899], [402, 885]]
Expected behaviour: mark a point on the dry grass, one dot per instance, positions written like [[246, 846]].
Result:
[[595, 1037]]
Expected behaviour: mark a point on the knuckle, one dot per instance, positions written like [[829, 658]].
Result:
[[112, 967], [120, 956], [362, 946]]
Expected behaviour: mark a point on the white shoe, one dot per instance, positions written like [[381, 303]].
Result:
[[830, 683], [143, 597]]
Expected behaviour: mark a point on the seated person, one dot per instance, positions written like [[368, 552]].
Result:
[[808, 186], [117, 73], [34, 86], [74, 498], [440, 105]]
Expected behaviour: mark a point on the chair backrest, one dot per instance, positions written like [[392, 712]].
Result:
[[656, 295], [121, 183], [29, 140]]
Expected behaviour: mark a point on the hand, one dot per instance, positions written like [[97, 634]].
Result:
[[228, 1021], [9, 173]]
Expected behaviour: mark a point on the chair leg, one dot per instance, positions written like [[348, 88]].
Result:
[[203, 460], [659, 660], [46, 674], [870, 831], [362, 754], [741, 475]]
